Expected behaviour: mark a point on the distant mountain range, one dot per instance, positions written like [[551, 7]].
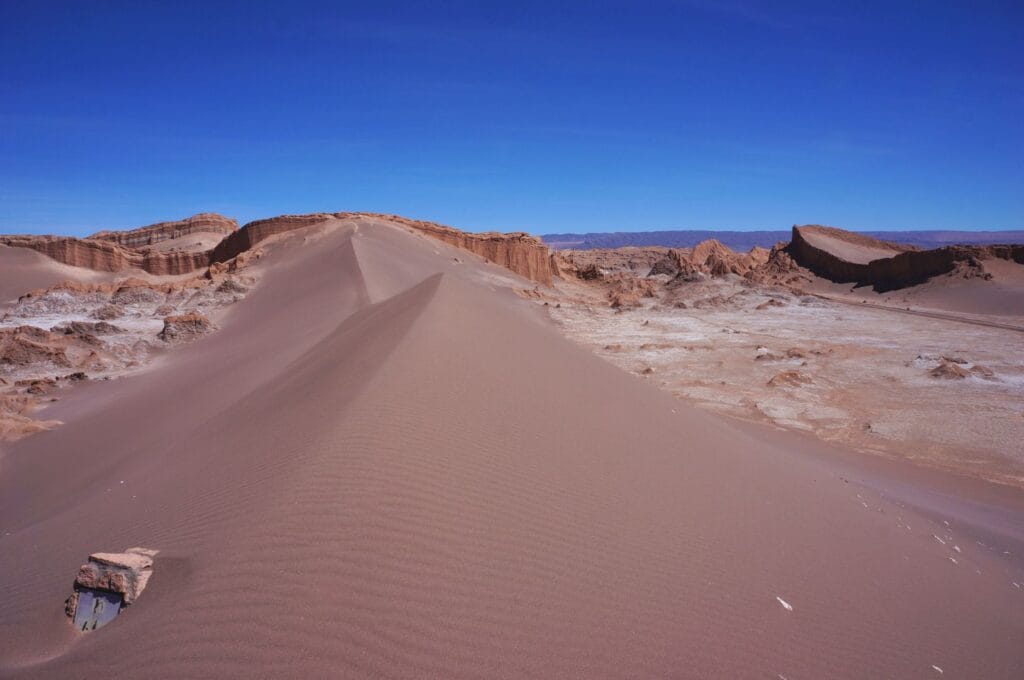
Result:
[[745, 240]]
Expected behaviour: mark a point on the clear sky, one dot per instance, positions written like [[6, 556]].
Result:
[[541, 116]]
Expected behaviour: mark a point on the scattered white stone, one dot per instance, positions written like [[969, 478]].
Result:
[[937, 669], [785, 605], [938, 539], [957, 548], [953, 560]]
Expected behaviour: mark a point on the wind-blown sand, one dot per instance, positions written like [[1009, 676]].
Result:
[[387, 465]]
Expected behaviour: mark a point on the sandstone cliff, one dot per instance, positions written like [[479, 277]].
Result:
[[107, 256], [523, 254], [252, 233], [206, 223], [845, 257]]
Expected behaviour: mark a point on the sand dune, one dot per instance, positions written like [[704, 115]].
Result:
[[386, 464]]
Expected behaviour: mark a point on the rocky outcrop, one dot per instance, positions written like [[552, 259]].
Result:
[[595, 263], [185, 327], [713, 258], [845, 257], [26, 345], [779, 269], [626, 291], [206, 223], [709, 258]]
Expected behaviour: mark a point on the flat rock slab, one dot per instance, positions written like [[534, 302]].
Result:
[[129, 559]]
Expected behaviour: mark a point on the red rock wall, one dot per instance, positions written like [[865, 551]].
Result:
[[517, 251], [106, 256], [254, 232], [521, 253], [165, 231]]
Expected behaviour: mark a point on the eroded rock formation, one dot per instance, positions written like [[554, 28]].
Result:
[[108, 256], [253, 233], [845, 257], [205, 223], [517, 251], [184, 327]]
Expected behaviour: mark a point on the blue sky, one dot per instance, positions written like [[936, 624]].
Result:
[[540, 116]]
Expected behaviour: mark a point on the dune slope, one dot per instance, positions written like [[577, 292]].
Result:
[[386, 465]]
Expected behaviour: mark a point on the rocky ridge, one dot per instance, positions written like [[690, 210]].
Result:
[[631, 274], [108, 256], [116, 251], [206, 223], [897, 266]]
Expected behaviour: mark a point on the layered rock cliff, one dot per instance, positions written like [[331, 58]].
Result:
[[259, 230], [107, 256], [845, 257], [518, 251], [206, 223]]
